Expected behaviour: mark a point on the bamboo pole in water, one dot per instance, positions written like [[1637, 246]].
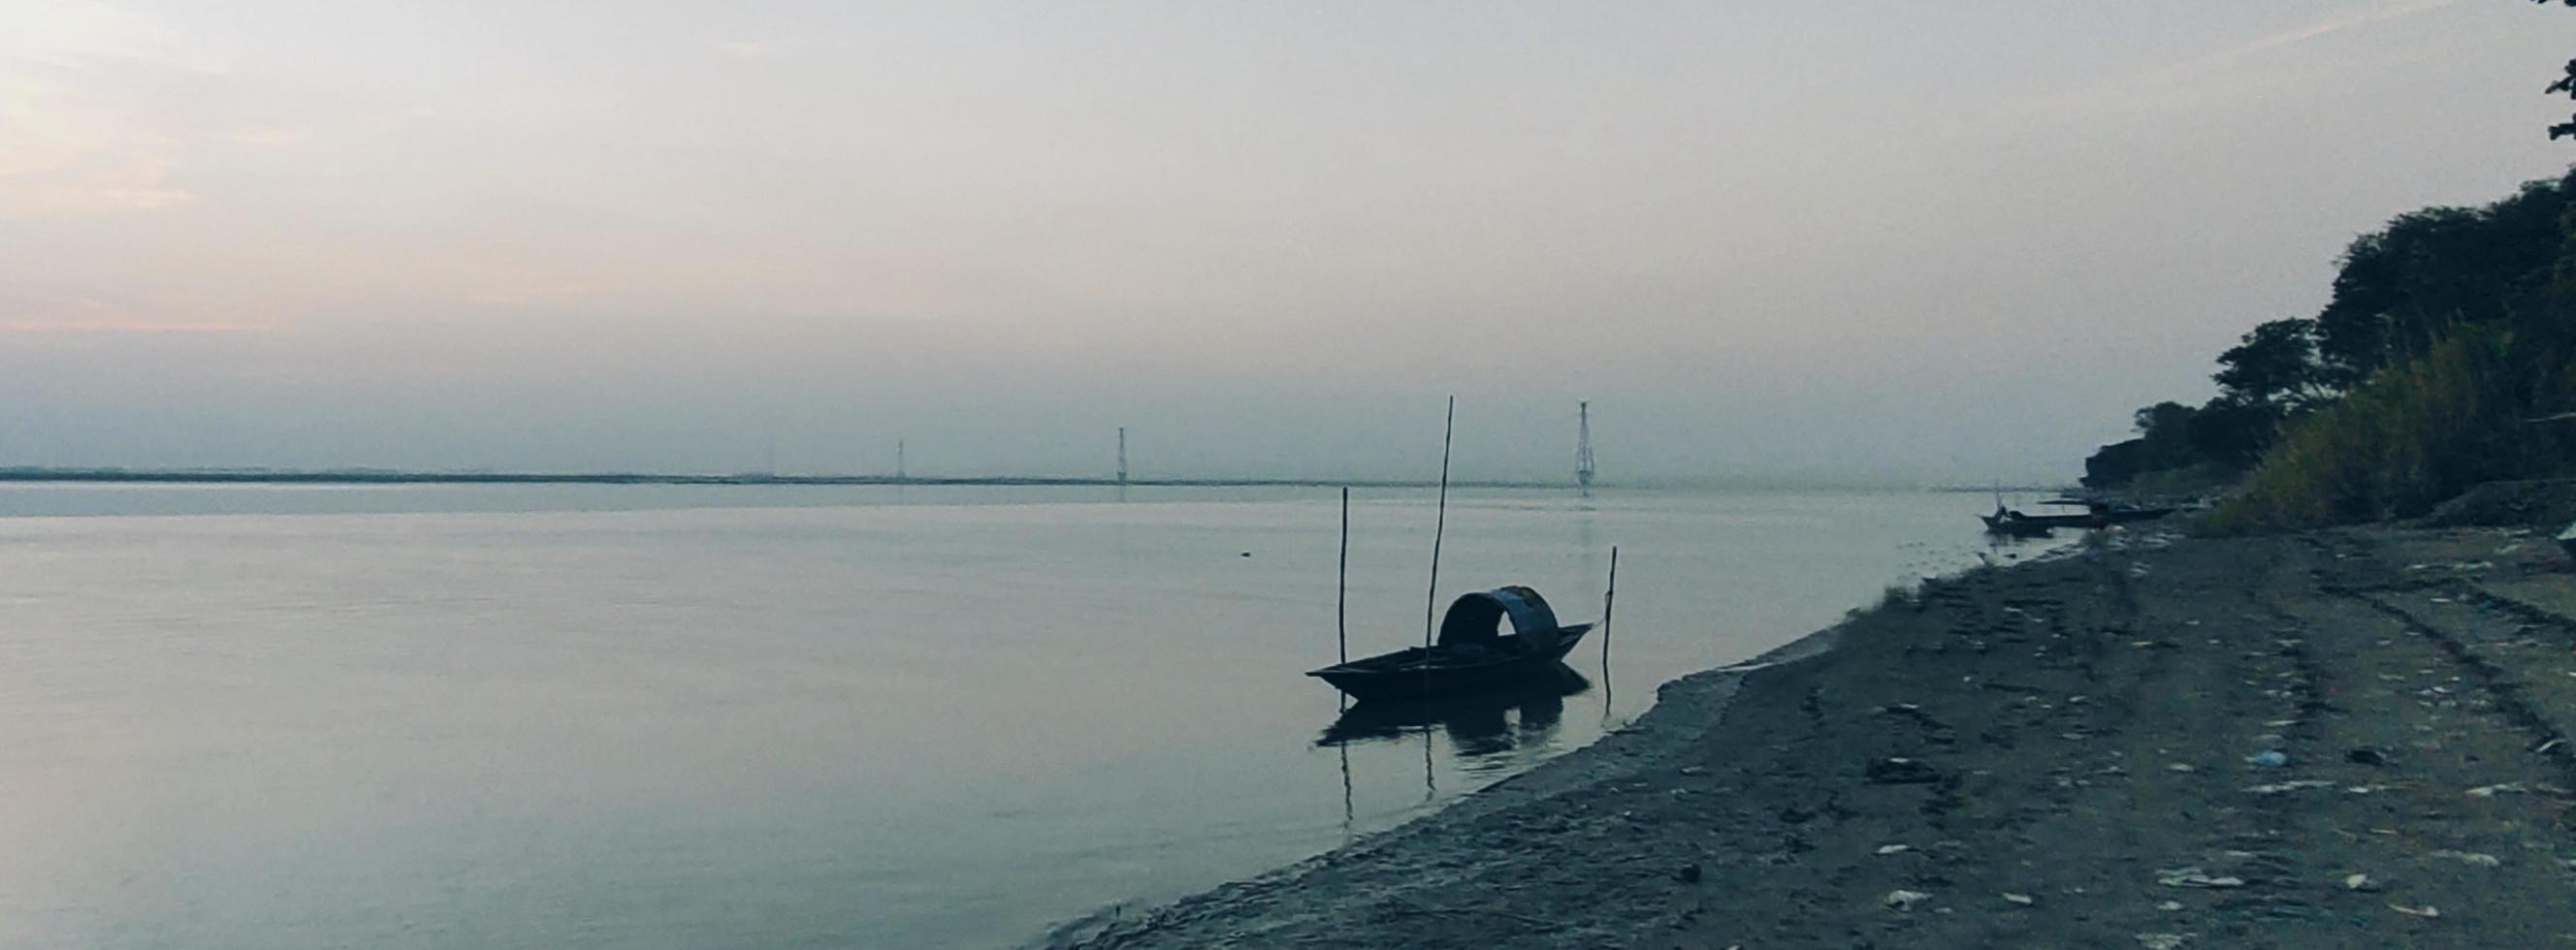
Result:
[[1431, 600], [1342, 585], [1609, 599]]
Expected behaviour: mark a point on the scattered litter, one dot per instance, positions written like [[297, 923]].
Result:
[[1901, 771], [2281, 723], [2022, 899], [2553, 743], [2360, 882], [2180, 767], [2162, 941], [2470, 857], [2269, 758], [2283, 788], [2427, 910], [1903, 899], [2368, 789], [2491, 791], [2195, 877], [1694, 770], [1894, 848]]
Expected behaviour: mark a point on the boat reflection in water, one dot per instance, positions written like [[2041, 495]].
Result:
[[1479, 724]]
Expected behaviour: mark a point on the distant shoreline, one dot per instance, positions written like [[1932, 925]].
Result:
[[35, 475], [238, 477]]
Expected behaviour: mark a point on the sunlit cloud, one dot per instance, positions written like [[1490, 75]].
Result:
[[750, 49], [83, 33], [2218, 77], [2322, 29], [36, 312], [131, 326], [65, 156], [269, 137], [69, 142]]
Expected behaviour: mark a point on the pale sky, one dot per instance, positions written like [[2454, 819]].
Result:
[[1770, 239]]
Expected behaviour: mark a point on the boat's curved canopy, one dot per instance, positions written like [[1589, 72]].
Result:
[[1477, 617]]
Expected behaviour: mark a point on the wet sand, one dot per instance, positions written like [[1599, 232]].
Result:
[[2347, 739]]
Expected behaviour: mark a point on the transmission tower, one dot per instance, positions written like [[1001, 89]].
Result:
[[1583, 446]]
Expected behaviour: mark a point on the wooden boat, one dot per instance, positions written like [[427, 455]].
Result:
[[1471, 653], [2104, 513], [2007, 521]]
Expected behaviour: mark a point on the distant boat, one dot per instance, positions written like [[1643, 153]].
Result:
[[1471, 654], [2007, 521]]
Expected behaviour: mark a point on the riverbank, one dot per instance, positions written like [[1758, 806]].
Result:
[[2336, 739]]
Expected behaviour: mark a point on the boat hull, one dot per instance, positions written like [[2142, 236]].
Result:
[[1403, 675]]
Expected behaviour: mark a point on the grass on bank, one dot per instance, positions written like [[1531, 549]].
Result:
[[2407, 439]]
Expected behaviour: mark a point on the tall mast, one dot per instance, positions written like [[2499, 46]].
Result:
[[1583, 446], [1122, 455], [898, 461]]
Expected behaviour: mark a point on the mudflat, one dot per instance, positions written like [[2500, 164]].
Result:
[[2342, 739]]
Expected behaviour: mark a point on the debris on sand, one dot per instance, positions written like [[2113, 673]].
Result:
[[2360, 882], [2024, 900], [2195, 877], [2491, 791], [2471, 857], [1904, 900], [1901, 771], [2427, 910], [2269, 758], [2283, 788]]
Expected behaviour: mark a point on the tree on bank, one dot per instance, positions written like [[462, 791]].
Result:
[[2354, 402], [2566, 85]]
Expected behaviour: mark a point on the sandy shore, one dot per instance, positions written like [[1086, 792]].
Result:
[[2348, 739]]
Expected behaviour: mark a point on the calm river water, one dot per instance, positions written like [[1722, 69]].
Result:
[[664, 717]]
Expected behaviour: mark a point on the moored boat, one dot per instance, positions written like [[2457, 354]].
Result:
[[1471, 653]]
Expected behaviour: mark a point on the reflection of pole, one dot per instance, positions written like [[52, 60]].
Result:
[[1609, 599], [1430, 789], [898, 461], [1345, 748], [1122, 455], [1342, 586]]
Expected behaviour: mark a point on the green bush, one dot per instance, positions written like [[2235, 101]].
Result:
[[2404, 440]]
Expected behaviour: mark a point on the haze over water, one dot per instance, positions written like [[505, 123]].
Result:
[[648, 717]]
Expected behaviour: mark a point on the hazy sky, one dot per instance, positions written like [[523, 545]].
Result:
[[1767, 238]]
